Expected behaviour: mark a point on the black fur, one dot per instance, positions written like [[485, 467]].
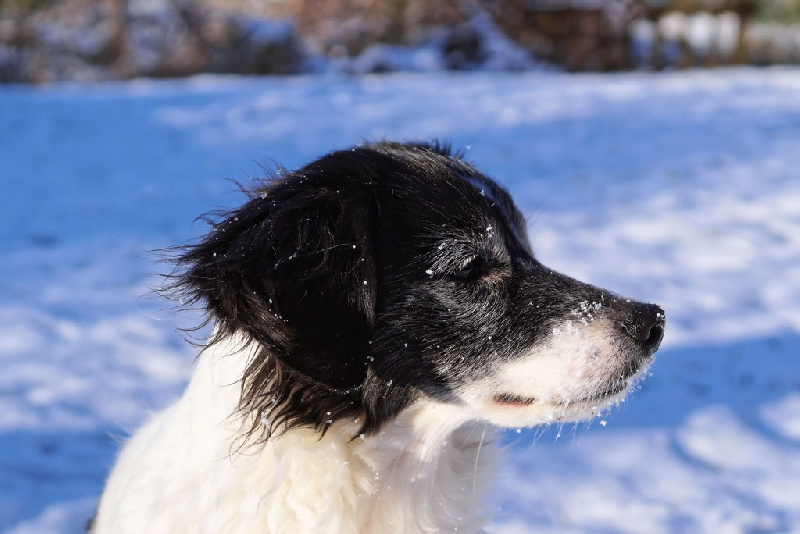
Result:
[[375, 275]]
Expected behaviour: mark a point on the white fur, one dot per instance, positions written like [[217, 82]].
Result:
[[427, 471], [561, 376]]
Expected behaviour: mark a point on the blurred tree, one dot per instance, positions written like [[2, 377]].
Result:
[[779, 10], [24, 6]]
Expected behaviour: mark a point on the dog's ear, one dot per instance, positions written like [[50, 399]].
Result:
[[293, 270]]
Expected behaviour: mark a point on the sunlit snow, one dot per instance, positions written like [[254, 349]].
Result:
[[676, 188]]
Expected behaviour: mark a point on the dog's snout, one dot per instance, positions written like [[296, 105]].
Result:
[[645, 324]]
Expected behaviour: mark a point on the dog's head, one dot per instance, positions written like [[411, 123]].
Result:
[[388, 274]]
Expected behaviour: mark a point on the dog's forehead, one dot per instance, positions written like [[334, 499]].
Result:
[[500, 203], [463, 204], [468, 197], [503, 207], [424, 190], [495, 196], [484, 186]]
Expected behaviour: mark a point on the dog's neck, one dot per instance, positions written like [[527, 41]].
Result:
[[435, 462], [426, 470]]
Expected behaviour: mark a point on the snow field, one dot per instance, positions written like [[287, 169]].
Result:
[[680, 188]]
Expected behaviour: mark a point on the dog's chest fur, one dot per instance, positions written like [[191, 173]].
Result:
[[427, 471]]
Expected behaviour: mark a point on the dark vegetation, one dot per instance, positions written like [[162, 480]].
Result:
[[44, 41]]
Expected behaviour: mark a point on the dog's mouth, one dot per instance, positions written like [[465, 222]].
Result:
[[510, 399], [596, 396]]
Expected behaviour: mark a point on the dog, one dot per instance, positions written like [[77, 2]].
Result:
[[377, 315]]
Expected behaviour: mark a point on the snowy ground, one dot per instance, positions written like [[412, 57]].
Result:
[[681, 188]]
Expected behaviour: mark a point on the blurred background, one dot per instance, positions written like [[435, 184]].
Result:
[[90, 40], [653, 145]]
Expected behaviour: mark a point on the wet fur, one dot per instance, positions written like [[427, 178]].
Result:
[[380, 309]]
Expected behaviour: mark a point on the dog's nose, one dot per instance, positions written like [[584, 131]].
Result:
[[645, 324]]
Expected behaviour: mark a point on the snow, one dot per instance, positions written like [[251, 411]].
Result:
[[679, 188]]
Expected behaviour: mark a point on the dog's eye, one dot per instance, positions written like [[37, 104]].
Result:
[[472, 269]]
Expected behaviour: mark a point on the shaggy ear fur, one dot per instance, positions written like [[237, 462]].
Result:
[[292, 270]]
